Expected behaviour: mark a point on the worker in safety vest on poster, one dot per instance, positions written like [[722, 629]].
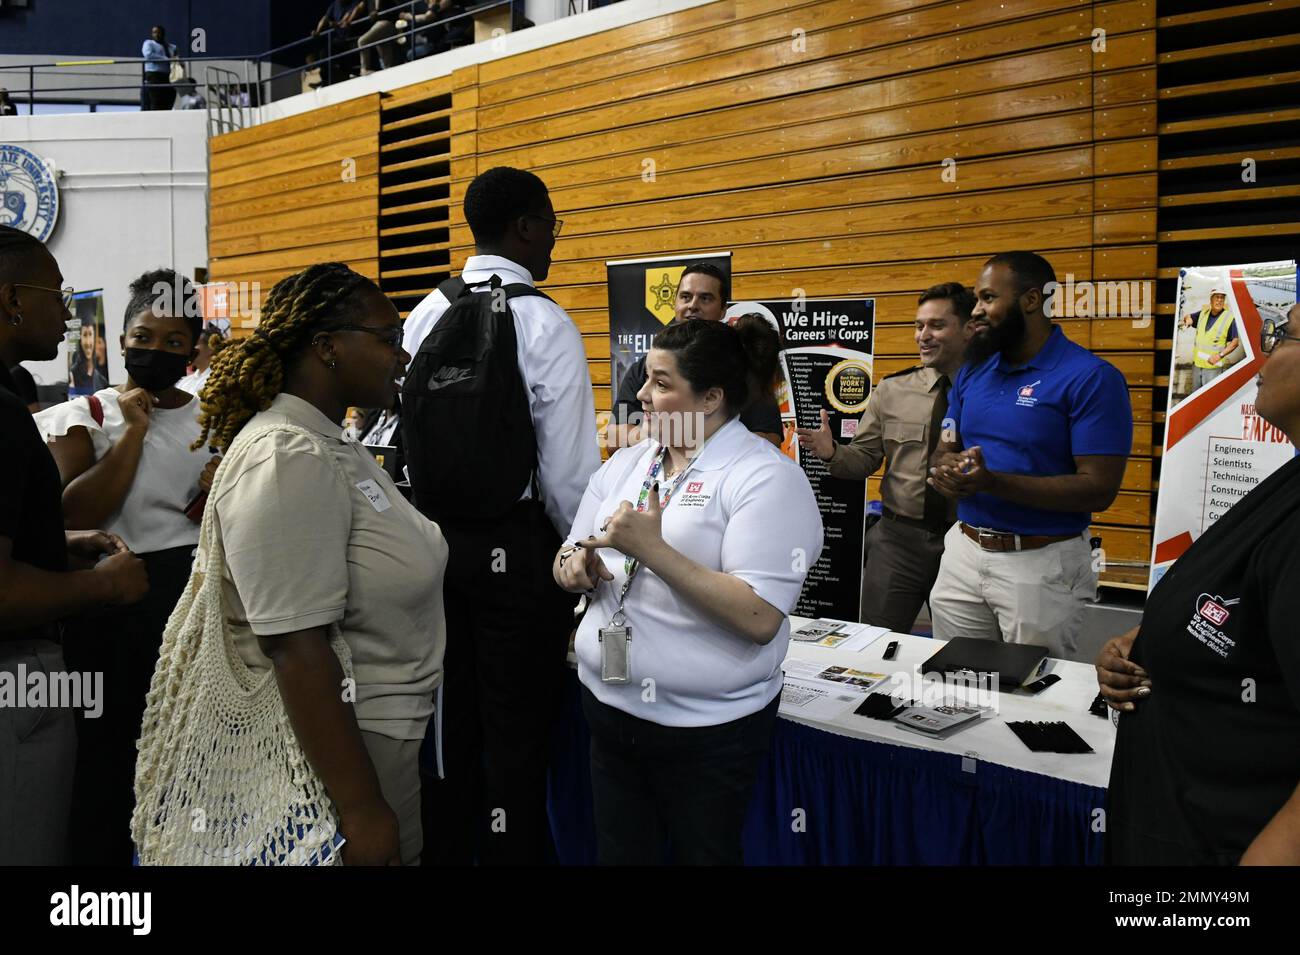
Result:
[[1216, 338]]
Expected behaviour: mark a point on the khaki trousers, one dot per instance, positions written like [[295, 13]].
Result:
[[902, 563], [397, 764], [1030, 596]]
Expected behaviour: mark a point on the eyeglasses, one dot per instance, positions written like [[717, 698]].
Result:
[[68, 292], [1272, 334], [390, 335], [556, 224]]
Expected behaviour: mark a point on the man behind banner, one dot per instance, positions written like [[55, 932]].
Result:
[[702, 293], [901, 426], [1216, 338], [1041, 432]]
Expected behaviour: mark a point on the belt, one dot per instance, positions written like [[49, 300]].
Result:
[[916, 522], [1002, 541]]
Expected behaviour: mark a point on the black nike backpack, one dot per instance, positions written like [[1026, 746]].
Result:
[[467, 429]]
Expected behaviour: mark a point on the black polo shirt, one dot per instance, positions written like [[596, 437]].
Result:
[[31, 495], [1205, 762], [762, 415]]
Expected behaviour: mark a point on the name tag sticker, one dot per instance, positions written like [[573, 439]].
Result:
[[374, 494]]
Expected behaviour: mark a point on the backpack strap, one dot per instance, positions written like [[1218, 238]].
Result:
[[454, 287], [523, 290], [96, 409]]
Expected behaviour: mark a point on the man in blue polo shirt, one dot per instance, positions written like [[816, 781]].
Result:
[[1036, 438]]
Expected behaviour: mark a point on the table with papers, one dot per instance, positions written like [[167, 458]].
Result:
[[840, 788]]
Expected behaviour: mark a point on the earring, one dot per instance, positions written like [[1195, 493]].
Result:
[[332, 365], [16, 319]]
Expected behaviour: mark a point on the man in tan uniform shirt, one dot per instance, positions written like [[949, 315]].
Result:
[[900, 427]]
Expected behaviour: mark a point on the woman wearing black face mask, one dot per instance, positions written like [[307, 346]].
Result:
[[126, 465]]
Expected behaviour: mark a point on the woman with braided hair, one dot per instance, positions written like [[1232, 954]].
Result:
[[315, 533]]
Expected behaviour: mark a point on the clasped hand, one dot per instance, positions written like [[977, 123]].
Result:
[[961, 474]]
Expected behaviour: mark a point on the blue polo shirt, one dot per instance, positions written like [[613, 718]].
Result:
[[1035, 419]]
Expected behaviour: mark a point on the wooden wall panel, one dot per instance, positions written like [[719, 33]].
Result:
[[290, 193], [808, 138], [821, 168]]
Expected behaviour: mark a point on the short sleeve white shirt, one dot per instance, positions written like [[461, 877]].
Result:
[[152, 516], [744, 509]]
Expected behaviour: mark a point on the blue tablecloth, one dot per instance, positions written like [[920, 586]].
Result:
[[865, 803]]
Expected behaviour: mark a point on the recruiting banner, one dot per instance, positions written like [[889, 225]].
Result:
[[642, 297], [1217, 448], [826, 355]]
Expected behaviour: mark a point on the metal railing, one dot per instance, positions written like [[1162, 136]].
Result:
[[227, 108], [256, 90]]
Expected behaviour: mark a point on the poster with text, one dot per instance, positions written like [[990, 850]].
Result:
[[642, 299], [1217, 448], [826, 356]]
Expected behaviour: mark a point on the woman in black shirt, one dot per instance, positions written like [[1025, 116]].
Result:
[[1207, 759]]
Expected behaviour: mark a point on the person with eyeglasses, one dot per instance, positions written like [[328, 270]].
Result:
[[127, 464], [315, 534], [508, 623], [47, 573], [1206, 768]]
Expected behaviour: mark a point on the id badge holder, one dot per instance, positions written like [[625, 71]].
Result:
[[616, 651]]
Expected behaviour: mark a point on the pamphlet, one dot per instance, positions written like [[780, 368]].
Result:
[[935, 721], [842, 634], [807, 671]]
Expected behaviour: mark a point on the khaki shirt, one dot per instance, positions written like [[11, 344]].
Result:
[[307, 547], [894, 428]]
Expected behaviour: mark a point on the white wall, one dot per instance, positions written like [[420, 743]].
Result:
[[133, 196]]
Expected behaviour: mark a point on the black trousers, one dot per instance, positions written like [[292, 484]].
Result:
[[157, 92], [669, 793], [122, 643], [508, 627]]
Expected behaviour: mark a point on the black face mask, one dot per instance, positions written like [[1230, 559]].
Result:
[[154, 369]]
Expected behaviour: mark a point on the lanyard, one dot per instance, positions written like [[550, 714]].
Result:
[[630, 564]]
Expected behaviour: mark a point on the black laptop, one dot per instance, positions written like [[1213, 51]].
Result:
[[1015, 664]]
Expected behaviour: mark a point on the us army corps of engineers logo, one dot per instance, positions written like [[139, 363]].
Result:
[[29, 193]]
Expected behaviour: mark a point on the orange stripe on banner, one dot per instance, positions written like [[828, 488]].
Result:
[[1173, 548], [1192, 412]]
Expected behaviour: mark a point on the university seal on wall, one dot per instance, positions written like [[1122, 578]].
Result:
[[29, 192]]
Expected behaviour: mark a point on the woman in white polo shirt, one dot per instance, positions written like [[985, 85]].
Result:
[[315, 533], [696, 542]]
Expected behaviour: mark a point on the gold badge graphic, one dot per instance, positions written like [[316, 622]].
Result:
[[661, 290], [848, 386]]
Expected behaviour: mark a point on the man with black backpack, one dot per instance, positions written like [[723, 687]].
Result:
[[499, 430]]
